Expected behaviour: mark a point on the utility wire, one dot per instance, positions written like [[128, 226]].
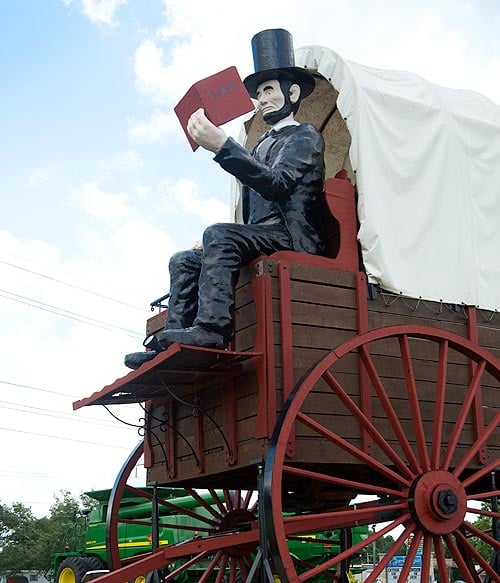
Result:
[[88, 291], [63, 438], [31, 388], [57, 414], [66, 313], [37, 389]]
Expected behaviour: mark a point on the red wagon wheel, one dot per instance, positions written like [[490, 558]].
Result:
[[415, 457], [209, 535]]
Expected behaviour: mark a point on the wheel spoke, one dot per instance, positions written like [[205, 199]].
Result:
[[426, 558], [484, 495], [211, 567], [352, 449], [358, 547], [459, 557], [472, 553], [389, 410], [180, 510], [392, 552], [202, 502], [477, 445], [246, 501], [228, 499], [367, 513], [217, 500], [189, 563], [412, 552], [474, 386], [440, 558], [414, 403], [175, 526], [483, 512], [361, 486], [437, 428], [366, 423], [482, 535], [176, 508], [491, 467], [222, 567], [243, 568]]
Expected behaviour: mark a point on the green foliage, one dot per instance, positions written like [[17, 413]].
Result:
[[28, 542], [19, 531], [483, 523]]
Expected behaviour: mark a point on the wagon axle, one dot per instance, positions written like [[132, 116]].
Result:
[[438, 502]]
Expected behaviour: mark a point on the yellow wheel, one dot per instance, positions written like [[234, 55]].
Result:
[[71, 570]]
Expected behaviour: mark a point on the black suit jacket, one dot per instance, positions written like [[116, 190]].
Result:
[[283, 182]]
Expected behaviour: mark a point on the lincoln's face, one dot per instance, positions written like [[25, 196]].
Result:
[[270, 96]]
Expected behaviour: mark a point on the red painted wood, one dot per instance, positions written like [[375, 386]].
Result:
[[148, 450], [364, 381], [340, 198], [264, 366], [286, 340], [198, 437], [229, 421], [472, 334], [170, 436]]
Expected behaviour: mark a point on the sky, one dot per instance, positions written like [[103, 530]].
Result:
[[99, 187]]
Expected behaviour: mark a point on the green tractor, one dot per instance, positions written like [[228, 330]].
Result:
[[81, 562]]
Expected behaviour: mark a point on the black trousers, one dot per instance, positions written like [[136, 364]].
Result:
[[202, 281]]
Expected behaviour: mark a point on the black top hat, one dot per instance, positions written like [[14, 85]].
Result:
[[273, 58]]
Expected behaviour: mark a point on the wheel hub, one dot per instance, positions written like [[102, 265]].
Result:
[[438, 502], [237, 519]]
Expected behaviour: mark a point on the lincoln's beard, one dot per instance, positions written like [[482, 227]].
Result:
[[273, 117]]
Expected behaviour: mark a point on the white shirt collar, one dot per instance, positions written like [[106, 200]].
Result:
[[283, 124]]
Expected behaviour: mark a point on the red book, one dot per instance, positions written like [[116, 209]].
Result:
[[223, 97]]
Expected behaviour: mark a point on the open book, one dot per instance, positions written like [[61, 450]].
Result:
[[223, 97]]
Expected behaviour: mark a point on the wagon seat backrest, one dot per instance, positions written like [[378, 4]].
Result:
[[320, 109], [341, 229]]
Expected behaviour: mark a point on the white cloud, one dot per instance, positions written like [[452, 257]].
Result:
[[152, 76], [38, 176], [100, 12], [431, 38], [185, 196], [129, 161], [160, 125], [104, 205]]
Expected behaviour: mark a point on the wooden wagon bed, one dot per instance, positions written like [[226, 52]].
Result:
[[212, 413]]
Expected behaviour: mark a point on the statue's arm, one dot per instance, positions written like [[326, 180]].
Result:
[[300, 153]]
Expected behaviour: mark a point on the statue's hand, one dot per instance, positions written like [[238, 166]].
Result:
[[205, 133]]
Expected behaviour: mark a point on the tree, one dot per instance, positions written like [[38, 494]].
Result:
[[28, 542], [19, 535], [483, 523]]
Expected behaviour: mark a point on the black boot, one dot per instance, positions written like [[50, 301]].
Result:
[[136, 359], [194, 336]]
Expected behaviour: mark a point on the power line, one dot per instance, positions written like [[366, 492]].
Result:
[[122, 406], [31, 474], [58, 414], [37, 389], [70, 285], [63, 438], [66, 313]]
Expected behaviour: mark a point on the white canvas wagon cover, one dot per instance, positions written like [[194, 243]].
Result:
[[427, 163]]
